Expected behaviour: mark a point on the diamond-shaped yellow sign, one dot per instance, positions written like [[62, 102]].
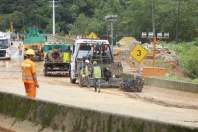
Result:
[[92, 35], [138, 52]]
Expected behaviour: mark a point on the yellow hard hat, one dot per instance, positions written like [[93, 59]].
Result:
[[29, 52], [95, 62]]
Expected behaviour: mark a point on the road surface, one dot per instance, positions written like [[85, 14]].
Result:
[[153, 103]]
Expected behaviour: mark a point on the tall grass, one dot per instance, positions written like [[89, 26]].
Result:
[[188, 56]]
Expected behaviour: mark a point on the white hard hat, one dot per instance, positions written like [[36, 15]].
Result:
[[86, 61]]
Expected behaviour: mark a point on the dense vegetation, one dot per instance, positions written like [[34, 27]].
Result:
[[179, 17], [188, 56]]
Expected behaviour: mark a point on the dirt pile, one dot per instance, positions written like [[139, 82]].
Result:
[[126, 42]]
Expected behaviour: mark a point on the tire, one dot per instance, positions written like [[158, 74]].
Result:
[[72, 80], [45, 72], [55, 56]]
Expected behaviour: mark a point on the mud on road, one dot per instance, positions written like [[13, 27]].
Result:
[[158, 103], [10, 69]]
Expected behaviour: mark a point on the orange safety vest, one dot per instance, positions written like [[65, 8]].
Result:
[[28, 69]]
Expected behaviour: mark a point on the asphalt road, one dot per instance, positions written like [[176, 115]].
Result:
[[153, 103]]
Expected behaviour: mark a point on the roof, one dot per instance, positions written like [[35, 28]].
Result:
[[3, 35], [91, 41], [54, 43]]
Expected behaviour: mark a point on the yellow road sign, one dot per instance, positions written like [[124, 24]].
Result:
[[138, 52], [92, 35]]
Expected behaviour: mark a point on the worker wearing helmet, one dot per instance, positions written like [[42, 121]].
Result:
[[97, 75], [87, 73], [29, 74], [84, 72]]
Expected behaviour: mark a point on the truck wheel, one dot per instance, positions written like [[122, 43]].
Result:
[[45, 71], [55, 56], [72, 80]]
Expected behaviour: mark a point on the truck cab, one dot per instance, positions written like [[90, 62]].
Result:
[[83, 48], [5, 45]]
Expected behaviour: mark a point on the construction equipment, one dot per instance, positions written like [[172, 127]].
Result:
[[5, 45], [99, 51], [34, 40], [57, 59]]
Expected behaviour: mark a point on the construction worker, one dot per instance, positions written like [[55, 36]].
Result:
[[87, 72], [29, 74], [97, 75], [84, 72]]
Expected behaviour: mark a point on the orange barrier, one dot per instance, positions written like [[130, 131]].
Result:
[[154, 71], [171, 63]]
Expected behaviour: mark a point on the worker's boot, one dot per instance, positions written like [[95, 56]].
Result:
[[99, 86]]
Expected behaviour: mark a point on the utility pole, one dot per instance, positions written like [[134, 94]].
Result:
[[177, 20], [111, 19], [112, 34], [153, 17], [54, 22], [53, 4], [154, 39]]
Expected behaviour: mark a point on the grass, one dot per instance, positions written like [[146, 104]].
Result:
[[187, 53]]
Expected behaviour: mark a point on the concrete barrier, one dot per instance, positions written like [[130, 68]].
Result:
[[74, 119], [177, 85]]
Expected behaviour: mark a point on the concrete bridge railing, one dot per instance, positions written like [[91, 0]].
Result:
[[74, 119]]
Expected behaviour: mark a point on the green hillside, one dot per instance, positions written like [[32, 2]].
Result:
[[179, 17]]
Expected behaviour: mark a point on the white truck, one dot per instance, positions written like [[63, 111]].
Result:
[[5, 45], [100, 51], [82, 48]]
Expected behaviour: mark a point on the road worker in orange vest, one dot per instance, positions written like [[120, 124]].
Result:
[[29, 74]]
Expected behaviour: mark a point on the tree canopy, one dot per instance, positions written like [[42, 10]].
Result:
[[179, 17]]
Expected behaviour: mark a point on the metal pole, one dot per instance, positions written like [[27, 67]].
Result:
[[153, 17], [112, 33], [154, 36], [53, 19], [154, 48]]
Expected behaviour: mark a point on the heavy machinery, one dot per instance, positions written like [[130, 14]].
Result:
[[112, 72], [57, 59], [5, 45], [35, 40]]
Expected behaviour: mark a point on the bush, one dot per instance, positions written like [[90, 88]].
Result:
[[191, 63], [188, 56]]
